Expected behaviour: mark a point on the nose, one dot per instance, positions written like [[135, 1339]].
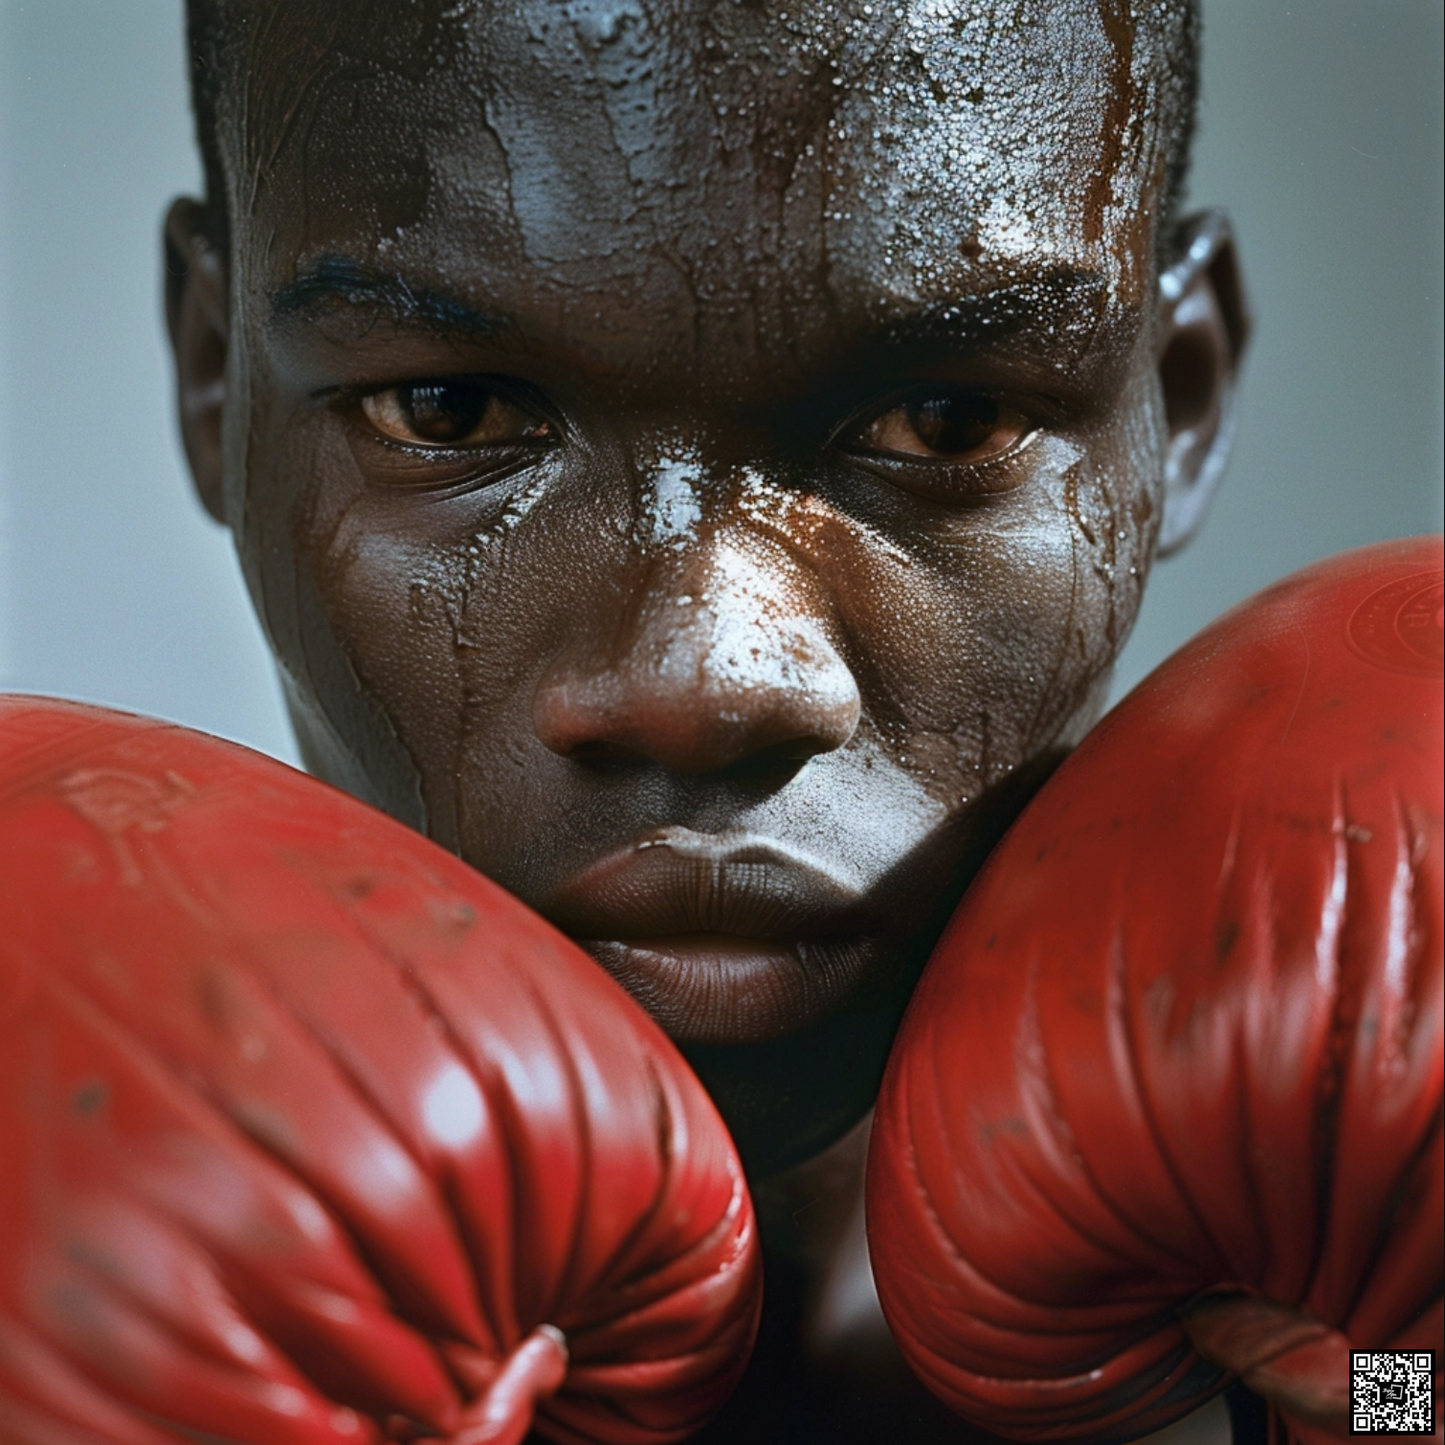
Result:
[[724, 660]]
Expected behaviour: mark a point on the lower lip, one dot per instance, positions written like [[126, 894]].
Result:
[[718, 988]]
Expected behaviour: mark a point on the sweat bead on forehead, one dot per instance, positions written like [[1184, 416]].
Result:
[[756, 170]]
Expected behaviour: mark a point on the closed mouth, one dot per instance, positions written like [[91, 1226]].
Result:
[[676, 881], [728, 938]]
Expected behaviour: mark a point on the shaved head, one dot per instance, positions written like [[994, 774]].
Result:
[[806, 72]]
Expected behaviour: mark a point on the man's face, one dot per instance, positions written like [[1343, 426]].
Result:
[[688, 458]]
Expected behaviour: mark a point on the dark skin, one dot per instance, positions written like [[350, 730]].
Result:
[[700, 464]]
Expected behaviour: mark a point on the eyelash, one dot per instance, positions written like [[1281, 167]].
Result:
[[447, 466], [463, 404], [1008, 414]]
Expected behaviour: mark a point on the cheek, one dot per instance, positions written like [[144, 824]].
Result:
[[360, 604], [415, 598], [447, 611], [993, 642], [396, 603]]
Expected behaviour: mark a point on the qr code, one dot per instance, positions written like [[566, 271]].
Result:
[[1392, 1392]]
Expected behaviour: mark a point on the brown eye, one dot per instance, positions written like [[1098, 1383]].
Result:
[[452, 414], [948, 424]]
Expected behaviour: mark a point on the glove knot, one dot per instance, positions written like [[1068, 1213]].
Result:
[[532, 1372], [1288, 1357]]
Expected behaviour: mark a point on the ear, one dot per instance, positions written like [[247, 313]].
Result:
[[197, 321], [1204, 324]]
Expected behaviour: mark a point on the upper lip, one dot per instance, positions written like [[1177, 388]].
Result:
[[674, 881]]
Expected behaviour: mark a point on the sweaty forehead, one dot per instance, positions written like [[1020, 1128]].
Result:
[[779, 155]]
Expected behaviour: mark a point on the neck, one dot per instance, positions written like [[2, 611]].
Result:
[[812, 1215]]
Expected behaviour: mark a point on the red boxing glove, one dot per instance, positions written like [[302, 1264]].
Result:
[[312, 1134], [1166, 1107]]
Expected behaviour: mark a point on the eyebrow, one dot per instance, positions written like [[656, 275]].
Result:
[[1057, 291], [332, 280]]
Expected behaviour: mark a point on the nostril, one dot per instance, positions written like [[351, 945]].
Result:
[[601, 753], [774, 764], [570, 714]]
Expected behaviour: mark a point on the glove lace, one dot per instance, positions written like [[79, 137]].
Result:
[[503, 1415]]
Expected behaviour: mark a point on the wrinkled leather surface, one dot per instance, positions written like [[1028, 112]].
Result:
[[1184, 1033], [307, 1127]]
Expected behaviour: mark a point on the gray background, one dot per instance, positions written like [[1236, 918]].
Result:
[[1321, 131]]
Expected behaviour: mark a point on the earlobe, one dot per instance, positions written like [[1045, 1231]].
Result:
[[1204, 324], [196, 318]]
